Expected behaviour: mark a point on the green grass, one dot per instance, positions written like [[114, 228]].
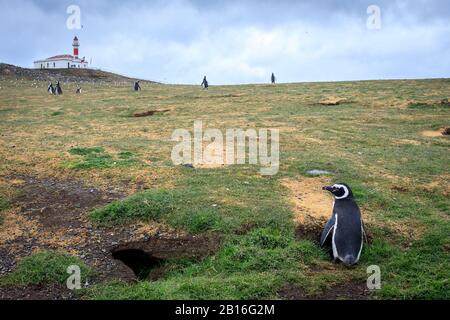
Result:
[[420, 272], [239, 286], [428, 106], [205, 201], [150, 205], [44, 268], [81, 151], [374, 144], [97, 158]]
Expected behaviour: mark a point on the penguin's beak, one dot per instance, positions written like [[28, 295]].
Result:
[[328, 188]]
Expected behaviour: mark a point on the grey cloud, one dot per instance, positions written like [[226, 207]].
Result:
[[236, 41]]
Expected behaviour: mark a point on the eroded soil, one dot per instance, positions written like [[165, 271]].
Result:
[[353, 290], [53, 215]]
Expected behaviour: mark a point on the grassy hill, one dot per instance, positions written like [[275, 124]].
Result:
[[8, 71], [82, 177]]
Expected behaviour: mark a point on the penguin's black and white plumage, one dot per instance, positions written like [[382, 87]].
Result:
[[205, 83], [51, 89], [58, 89], [137, 87], [78, 91], [273, 79], [345, 228]]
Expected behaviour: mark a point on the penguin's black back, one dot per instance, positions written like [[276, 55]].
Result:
[[348, 235]]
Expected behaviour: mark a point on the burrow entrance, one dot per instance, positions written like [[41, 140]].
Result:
[[139, 261], [148, 259]]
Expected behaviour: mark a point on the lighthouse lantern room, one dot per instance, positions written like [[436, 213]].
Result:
[[64, 61]]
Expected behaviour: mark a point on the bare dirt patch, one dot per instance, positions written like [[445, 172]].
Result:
[[60, 204], [308, 199], [311, 205], [352, 290], [13, 225], [439, 184], [407, 141], [52, 214], [332, 101], [311, 230], [36, 292], [437, 133]]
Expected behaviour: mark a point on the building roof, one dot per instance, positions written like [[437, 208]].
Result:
[[67, 57], [61, 57]]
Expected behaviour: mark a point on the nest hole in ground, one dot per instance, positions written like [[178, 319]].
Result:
[[309, 232], [446, 131], [142, 263], [149, 259]]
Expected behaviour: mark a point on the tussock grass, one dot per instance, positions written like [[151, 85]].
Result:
[[43, 268]]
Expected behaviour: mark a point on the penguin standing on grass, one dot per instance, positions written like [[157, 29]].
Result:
[[137, 87], [51, 89], [205, 83], [58, 89], [345, 229], [273, 79]]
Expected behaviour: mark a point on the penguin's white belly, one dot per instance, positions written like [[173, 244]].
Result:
[[348, 255]]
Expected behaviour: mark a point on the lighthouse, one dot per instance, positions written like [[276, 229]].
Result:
[[64, 61], [76, 46]]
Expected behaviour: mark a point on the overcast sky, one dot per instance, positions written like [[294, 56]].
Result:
[[234, 41]]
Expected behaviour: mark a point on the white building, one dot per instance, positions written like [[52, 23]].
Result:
[[64, 61]]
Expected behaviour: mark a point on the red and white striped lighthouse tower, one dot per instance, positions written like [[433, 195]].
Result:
[[76, 45]]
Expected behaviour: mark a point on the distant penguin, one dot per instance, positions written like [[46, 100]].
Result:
[[273, 79], [345, 227], [137, 87], [58, 89], [78, 90], [205, 83], [51, 88]]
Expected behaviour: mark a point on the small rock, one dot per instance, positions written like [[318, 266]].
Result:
[[317, 172]]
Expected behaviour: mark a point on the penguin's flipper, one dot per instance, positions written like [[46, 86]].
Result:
[[327, 231]]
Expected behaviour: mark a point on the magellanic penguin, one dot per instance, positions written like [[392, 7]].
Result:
[[58, 89], [51, 89], [205, 83], [345, 227]]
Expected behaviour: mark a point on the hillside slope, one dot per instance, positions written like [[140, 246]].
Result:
[[63, 75], [80, 175]]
